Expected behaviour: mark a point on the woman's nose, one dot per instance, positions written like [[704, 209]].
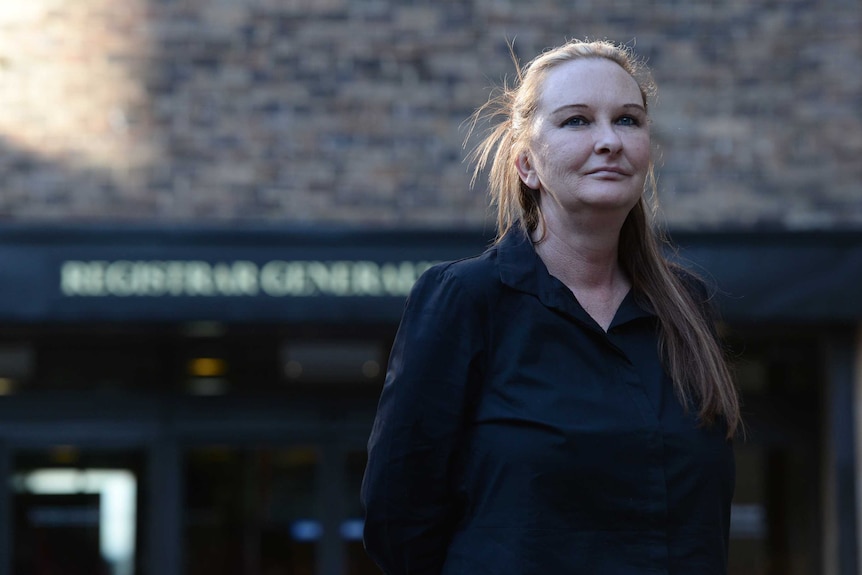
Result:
[[607, 140]]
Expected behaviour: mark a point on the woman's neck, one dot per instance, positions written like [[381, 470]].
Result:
[[583, 255], [586, 260]]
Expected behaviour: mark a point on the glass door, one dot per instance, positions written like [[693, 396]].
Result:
[[776, 515], [251, 511], [247, 506], [182, 488], [76, 511]]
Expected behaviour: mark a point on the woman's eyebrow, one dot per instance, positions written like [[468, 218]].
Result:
[[567, 106], [638, 106], [585, 106]]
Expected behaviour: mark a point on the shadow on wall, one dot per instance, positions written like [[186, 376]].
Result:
[[70, 143], [36, 187], [136, 110], [231, 110]]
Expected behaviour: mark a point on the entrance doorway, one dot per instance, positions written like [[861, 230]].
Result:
[[76, 512], [193, 486], [776, 526]]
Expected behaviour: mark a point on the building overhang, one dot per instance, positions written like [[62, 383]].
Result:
[[266, 274]]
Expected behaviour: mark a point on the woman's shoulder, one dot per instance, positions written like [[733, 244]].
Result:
[[454, 292], [475, 274]]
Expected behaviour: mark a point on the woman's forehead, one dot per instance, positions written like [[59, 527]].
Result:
[[588, 81]]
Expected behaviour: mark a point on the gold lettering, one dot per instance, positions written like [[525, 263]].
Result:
[[398, 279], [280, 278], [86, 279], [198, 278], [151, 278], [365, 279], [331, 278], [318, 276], [118, 279], [296, 280], [339, 278], [239, 278], [72, 278], [246, 274], [175, 278], [272, 278], [276, 278]]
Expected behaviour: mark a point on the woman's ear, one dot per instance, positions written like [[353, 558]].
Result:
[[526, 171]]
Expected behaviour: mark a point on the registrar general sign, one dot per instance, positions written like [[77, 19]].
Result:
[[276, 278]]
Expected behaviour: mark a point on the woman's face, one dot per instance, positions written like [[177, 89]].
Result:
[[589, 146]]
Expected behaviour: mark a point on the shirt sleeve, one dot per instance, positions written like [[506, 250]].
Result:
[[408, 488]]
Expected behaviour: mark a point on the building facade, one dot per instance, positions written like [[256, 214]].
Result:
[[212, 211]]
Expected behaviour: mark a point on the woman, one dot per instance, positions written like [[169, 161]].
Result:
[[559, 404]]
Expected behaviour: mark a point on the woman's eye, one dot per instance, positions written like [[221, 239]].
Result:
[[628, 121], [575, 121]]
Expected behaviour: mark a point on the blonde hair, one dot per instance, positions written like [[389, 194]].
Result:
[[691, 352]]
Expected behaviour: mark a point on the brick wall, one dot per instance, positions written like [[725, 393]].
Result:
[[351, 111]]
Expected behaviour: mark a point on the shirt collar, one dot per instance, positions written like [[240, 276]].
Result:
[[522, 269]]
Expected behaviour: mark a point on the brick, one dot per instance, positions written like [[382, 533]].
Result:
[[332, 111]]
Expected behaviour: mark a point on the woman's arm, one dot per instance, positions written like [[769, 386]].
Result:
[[407, 491]]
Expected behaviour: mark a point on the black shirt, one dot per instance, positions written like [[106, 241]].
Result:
[[514, 436]]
